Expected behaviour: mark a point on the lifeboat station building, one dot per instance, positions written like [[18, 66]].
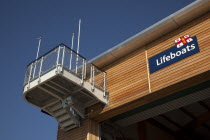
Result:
[[153, 86]]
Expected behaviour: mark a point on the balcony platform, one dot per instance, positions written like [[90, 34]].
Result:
[[59, 84], [63, 91]]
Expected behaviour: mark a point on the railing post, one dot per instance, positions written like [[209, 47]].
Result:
[[77, 59], [29, 78], [93, 78], [40, 69], [63, 56], [70, 60], [57, 61], [104, 84], [83, 69], [91, 74], [34, 68]]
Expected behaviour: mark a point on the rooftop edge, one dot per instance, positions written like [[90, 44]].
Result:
[[159, 29]]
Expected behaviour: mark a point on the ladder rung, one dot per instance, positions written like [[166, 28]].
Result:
[[67, 123], [60, 112], [63, 118], [70, 127], [56, 107]]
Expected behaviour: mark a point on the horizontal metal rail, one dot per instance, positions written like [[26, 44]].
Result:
[[98, 78], [66, 58]]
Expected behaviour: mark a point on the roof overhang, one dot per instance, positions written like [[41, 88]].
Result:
[[161, 28]]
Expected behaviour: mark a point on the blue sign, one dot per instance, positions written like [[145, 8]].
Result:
[[174, 54]]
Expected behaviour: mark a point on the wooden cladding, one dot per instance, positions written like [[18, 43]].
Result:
[[187, 67], [130, 84], [128, 79], [93, 130], [74, 134], [89, 130]]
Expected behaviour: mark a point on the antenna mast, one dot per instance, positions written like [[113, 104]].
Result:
[[78, 46], [72, 41], [78, 36], [37, 54]]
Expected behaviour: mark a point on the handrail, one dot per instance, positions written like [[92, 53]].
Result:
[[98, 78], [64, 57], [53, 50]]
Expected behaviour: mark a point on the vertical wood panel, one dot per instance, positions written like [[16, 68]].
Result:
[[93, 133], [148, 73]]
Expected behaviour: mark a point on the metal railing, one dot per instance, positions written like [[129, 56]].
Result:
[[62, 56], [98, 78]]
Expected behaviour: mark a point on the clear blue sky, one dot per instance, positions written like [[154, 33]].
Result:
[[105, 23]]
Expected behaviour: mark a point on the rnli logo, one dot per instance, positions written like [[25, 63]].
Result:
[[183, 40], [185, 47]]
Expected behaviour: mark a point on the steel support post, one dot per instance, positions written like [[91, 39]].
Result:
[[63, 57], [29, 78], [77, 59], [34, 68], [57, 61], [70, 64], [40, 69], [83, 70], [104, 84], [93, 78]]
